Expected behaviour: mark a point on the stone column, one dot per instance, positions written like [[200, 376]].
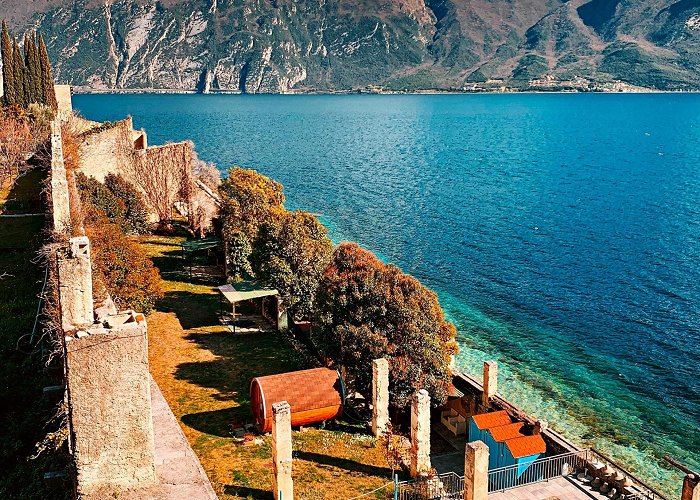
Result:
[[380, 396], [59, 183], [691, 487], [75, 284], [109, 396], [476, 471], [490, 381], [420, 434], [282, 451]]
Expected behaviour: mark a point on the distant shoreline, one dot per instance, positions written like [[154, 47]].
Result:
[[82, 91]]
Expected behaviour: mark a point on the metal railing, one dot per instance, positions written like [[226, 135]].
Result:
[[449, 486], [542, 469], [643, 490]]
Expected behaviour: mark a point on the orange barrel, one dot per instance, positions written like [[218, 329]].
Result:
[[313, 395]]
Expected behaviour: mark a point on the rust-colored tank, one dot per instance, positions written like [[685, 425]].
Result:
[[314, 396]]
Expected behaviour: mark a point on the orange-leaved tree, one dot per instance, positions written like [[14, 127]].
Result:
[[248, 200], [367, 309]]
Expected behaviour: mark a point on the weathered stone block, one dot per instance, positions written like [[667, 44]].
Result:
[[476, 471], [420, 434], [282, 451], [691, 487], [380, 396], [75, 284], [110, 410], [490, 381]]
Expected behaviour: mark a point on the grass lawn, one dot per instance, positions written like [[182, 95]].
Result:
[[204, 372], [24, 411]]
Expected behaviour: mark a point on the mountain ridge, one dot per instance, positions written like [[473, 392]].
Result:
[[339, 45]]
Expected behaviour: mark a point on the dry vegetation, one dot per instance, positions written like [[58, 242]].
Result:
[[204, 370]]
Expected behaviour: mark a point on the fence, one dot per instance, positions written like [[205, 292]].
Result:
[[449, 486], [542, 469]]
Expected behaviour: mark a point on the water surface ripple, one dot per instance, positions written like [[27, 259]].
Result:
[[561, 231]]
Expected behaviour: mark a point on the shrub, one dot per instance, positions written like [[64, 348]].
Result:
[[126, 271], [366, 309], [135, 216], [96, 194]]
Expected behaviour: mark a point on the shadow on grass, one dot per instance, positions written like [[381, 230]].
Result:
[[245, 492], [217, 422], [25, 194], [343, 463], [238, 360], [194, 310]]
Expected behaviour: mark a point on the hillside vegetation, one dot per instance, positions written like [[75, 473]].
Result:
[[278, 45]]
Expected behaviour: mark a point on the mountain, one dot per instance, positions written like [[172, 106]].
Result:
[[317, 45]]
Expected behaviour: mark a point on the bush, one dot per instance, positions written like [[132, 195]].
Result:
[[125, 270], [366, 310], [135, 216], [95, 193]]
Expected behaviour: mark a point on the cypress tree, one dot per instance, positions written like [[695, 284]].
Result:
[[8, 74], [31, 64], [18, 68], [47, 91]]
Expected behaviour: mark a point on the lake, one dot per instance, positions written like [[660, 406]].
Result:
[[561, 232]]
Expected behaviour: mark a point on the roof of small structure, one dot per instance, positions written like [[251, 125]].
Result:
[[200, 244], [303, 390], [493, 419], [526, 446], [509, 431], [245, 290]]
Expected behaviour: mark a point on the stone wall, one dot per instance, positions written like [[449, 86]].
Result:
[[105, 363], [107, 149], [109, 398], [60, 208]]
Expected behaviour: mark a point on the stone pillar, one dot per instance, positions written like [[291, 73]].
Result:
[[75, 284], [282, 316], [476, 471], [60, 205], [64, 100], [691, 487], [380, 396], [282, 483], [109, 397], [420, 434], [490, 381]]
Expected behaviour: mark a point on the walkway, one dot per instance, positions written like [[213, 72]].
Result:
[[560, 488], [180, 475]]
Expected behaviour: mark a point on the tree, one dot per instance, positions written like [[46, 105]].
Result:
[[15, 142], [18, 77], [249, 200], [238, 250], [47, 91], [162, 174], [31, 73], [367, 310], [290, 254], [8, 74]]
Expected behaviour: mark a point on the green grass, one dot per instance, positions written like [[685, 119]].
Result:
[[24, 411]]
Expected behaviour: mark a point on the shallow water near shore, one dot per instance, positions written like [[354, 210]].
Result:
[[561, 232]]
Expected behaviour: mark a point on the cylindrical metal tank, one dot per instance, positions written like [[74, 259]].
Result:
[[314, 396]]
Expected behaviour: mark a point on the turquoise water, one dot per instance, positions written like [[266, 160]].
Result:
[[561, 232]]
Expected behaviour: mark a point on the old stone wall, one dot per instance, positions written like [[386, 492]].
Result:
[[60, 208], [110, 406], [107, 149]]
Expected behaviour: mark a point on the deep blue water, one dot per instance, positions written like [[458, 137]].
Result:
[[562, 233]]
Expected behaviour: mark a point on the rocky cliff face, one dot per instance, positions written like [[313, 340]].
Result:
[[280, 45]]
